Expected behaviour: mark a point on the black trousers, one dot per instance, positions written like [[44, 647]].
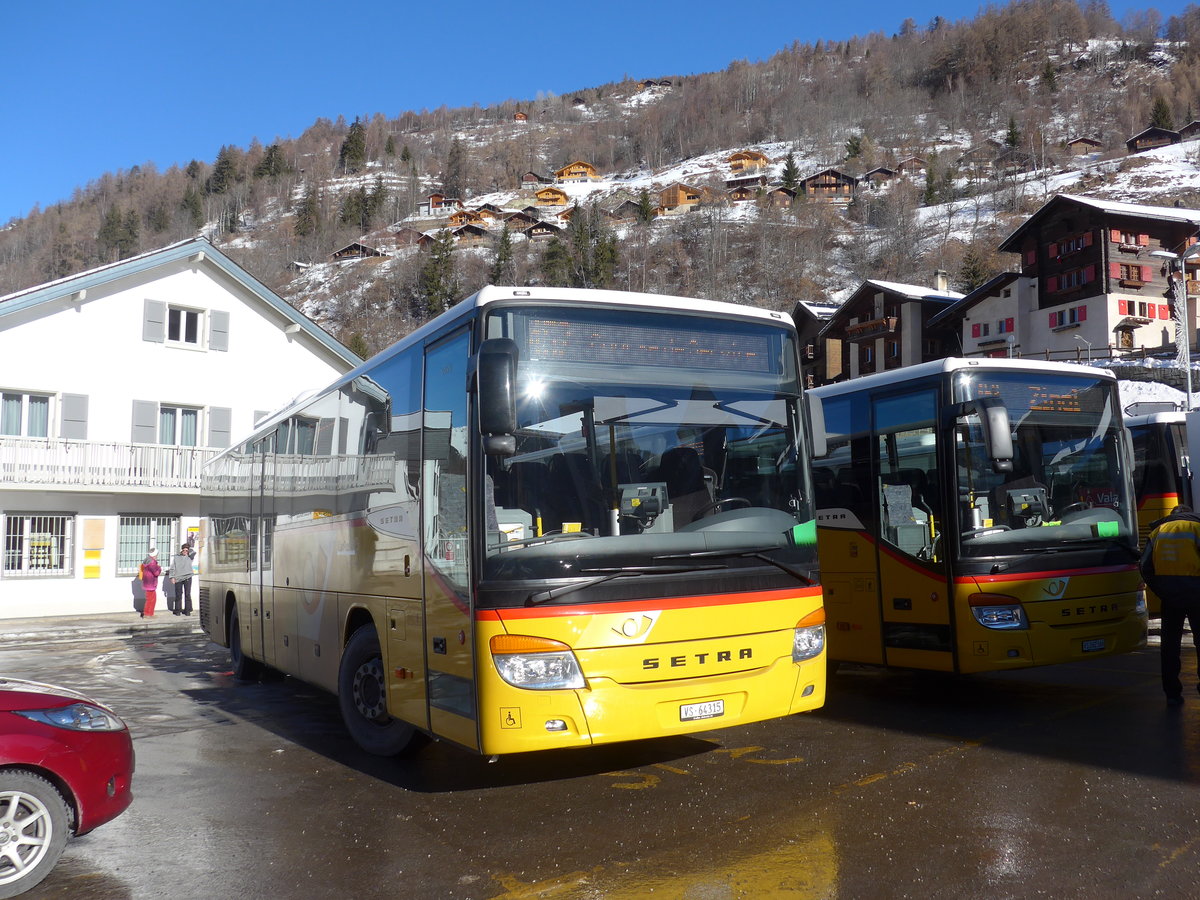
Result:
[[1175, 611], [183, 597]]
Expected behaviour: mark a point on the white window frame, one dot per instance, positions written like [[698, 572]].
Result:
[[179, 412], [176, 321], [23, 425], [38, 545]]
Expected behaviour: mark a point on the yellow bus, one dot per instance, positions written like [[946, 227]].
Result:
[[976, 515], [548, 518], [1161, 471]]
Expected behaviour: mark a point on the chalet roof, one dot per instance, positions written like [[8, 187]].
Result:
[[880, 170], [924, 295], [1153, 129], [1084, 140], [195, 252], [831, 170], [960, 307], [1011, 244]]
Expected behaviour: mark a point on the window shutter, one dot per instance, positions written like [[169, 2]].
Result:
[[154, 321], [1123, 307], [1083, 314], [1116, 235], [218, 333], [1087, 239], [1030, 256], [220, 421], [1053, 320], [1143, 240], [343, 431], [1164, 312], [145, 422], [1152, 311], [324, 443], [73, 424], [1008, 325], [1089, 274], [1114, 271], [1147, 275], [1052, 250], [1052, 284], [975, 331]]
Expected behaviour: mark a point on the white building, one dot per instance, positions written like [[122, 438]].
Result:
[[116, 385]]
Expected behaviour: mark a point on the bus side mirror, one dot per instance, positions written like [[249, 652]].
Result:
[[816, 423], [496, 376], [997, 433]]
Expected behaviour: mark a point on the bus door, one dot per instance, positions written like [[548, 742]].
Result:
[[446, 500], [915, 600], [262, 528]]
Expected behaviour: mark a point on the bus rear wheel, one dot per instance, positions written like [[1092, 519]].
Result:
[[244, 668], [362, 696]]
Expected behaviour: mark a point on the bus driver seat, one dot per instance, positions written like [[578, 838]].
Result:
[[687, 491]]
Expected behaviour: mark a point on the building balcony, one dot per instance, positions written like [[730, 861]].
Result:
[[99, 465], [862, 331]]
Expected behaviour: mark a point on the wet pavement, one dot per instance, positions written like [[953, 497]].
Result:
[[1070, 781]]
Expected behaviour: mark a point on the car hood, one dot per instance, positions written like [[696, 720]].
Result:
[[17, 693]]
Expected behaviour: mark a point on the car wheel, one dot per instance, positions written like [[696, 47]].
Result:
[[244, 668], [362, 696], [34, 827]]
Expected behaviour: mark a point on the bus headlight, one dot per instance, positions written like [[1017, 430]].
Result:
[[998, 611], [808, 638], [536, 663]]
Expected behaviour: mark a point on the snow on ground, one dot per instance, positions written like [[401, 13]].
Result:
[[1148, 391]]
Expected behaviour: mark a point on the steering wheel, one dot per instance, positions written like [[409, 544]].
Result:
[[1074, 507], [739, 503]]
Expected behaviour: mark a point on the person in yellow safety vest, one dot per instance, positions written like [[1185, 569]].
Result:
[[1171, 568]]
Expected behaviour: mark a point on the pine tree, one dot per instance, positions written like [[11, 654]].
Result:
[[645, 210], [854, 146], [454, 178], [376, 200], [272, 164], [389, 146], [503, 267], [118, 234], [555, 265], [406, 155], [975, 270], [357, 345], [354, 209], [308, 213], [1050, 78], [353, 155], [437, 282], [1013, 137], [224, 172], [1160, 115], [791, 173], [930, 196], [193, 206]]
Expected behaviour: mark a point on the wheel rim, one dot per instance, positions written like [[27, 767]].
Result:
[[25, 834], [369, 697]]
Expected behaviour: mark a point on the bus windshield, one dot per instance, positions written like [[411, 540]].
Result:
[[647, 448], [1066, 486]]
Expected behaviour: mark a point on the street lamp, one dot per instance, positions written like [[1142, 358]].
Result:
[[1179, 309], [1080, 337]]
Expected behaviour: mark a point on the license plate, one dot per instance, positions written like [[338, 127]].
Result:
[[690, 712], [1093, 645]]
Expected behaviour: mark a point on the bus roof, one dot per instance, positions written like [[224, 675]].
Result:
[[1156, 418], [954, 364]]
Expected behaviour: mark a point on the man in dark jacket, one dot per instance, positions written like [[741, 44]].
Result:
[[1171, 568]]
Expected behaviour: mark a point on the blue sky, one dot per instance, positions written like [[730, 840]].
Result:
[[97, 86]]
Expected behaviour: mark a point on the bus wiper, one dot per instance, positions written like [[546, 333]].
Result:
[[608, 575], [756, 552]]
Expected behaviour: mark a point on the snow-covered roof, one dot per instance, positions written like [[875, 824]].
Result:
[[914, 291]]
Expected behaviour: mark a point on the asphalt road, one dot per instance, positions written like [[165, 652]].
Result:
[[1071, 781]]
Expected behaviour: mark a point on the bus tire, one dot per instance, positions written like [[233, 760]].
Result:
[[35, 821], [244, 668], [362, 696]]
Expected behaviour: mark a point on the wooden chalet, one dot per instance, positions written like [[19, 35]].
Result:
[[1190, 131], [679, 197], [470, 235], [1151, 139], [466, 217], [830, 184], [780, 198], [911, 166], [1011, 161], [541, 231], [533, 179], [743, 193], [625, 211], [647, 83], [519, 116], [879, 175], [1082, 146], [355, 250], [552, 196], [438, 203], [978, 161], [405, 236], [748, 161], [747, 179], [577, 171], [520, 220]]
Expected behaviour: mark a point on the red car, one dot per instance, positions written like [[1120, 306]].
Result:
[[66, 767]]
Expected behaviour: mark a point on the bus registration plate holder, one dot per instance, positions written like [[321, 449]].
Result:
[[1093, 645], [710, 709]]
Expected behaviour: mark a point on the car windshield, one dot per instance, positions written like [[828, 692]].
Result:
[[1067, 485], [619, 468]]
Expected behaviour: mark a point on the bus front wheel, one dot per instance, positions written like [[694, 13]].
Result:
[[362, 696]]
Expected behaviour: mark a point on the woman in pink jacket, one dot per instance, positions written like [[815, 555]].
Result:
[[150, 572]]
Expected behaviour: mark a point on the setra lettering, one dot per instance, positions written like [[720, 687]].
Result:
[[684, 661], [1067, 612]]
